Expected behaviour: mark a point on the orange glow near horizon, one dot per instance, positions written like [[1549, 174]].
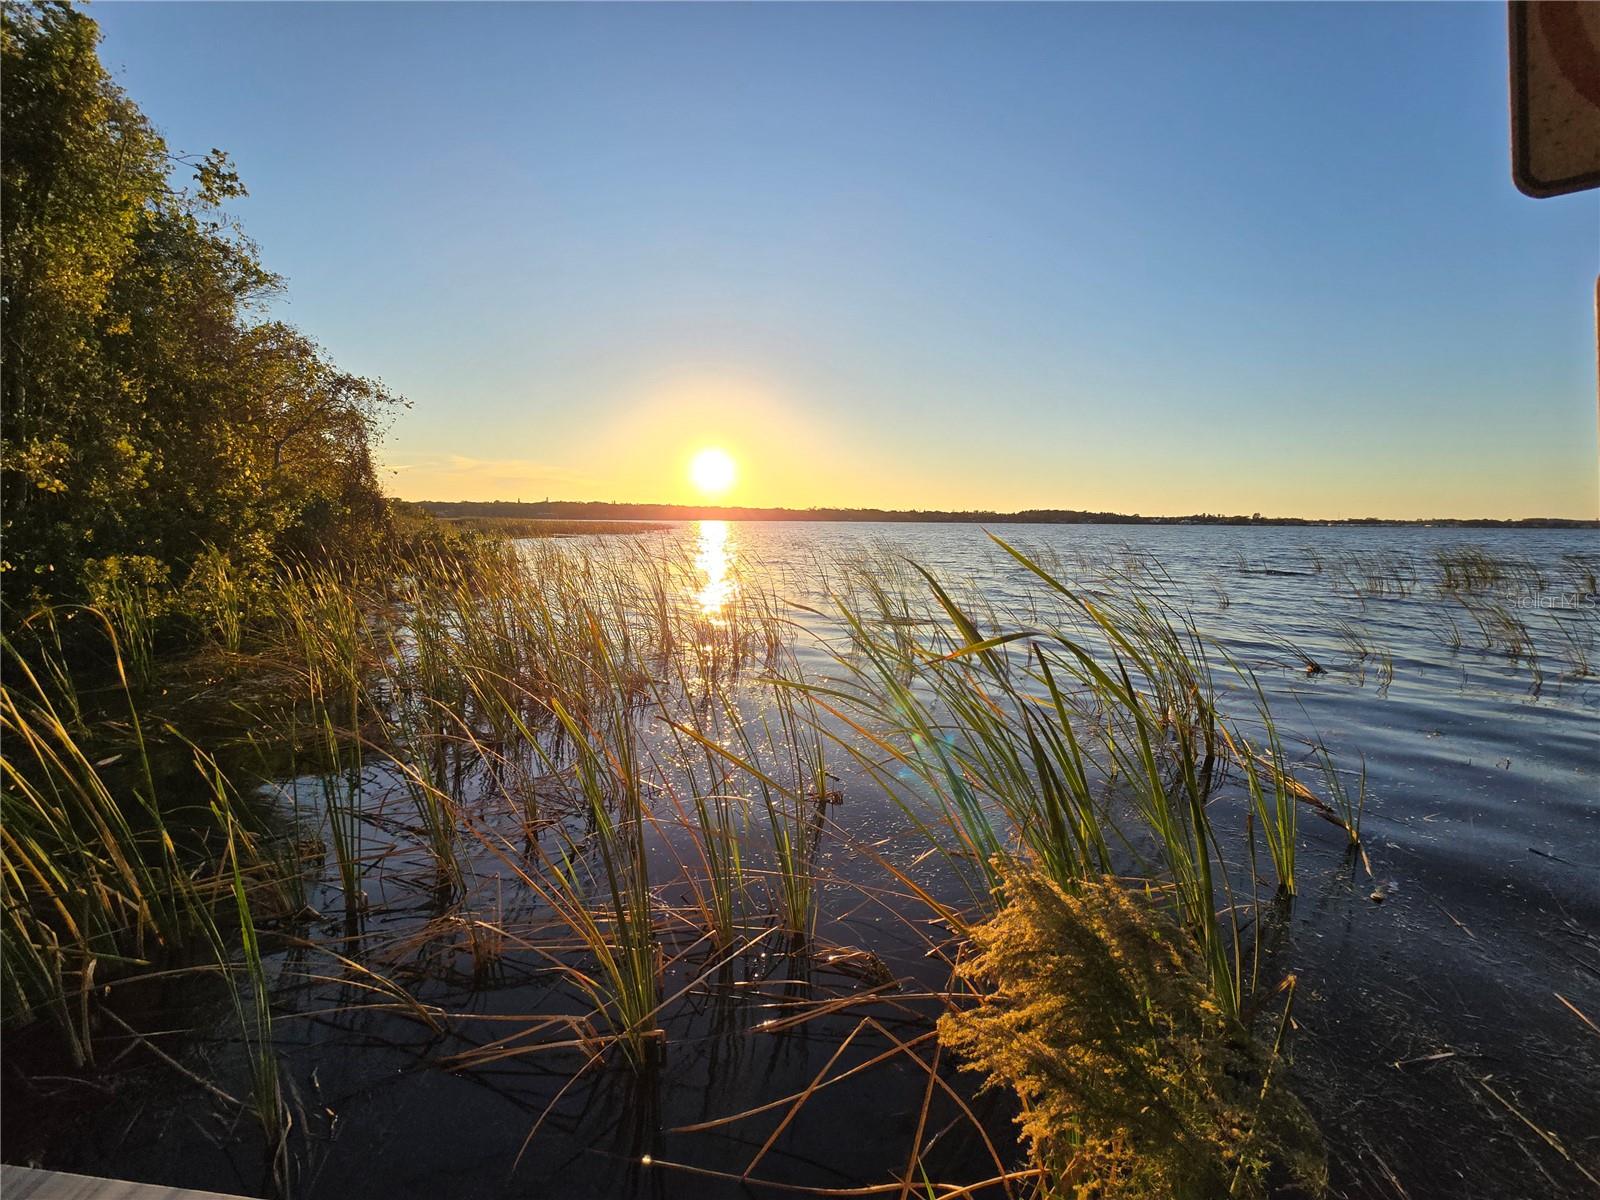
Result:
[[642, 443]]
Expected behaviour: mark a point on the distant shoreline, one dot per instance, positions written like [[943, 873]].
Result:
[[600, 510]]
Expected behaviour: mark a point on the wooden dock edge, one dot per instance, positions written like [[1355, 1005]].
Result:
[[29, 1183]]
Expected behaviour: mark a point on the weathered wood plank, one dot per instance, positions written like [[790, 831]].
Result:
[[27, 1183]]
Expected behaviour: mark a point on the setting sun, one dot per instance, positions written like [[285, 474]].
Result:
[[712, 471]]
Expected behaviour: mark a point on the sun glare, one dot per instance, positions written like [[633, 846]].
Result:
[[712, 471]]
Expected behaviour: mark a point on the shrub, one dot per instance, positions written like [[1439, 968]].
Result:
[[1133, 1083]]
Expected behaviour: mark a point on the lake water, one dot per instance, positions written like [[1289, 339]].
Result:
[[1435, 1035]]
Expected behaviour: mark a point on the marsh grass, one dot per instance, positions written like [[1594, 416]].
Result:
[[419, 746], [620, 931], [1582, 574], [130, 595], [1577, 638], [1274, 802], [219, 598], [1450, 637], [1469, 569], [1347, 806], [39, 647], [573, 722], [96, 882], [714, 820], [793, 808], [1374, 575], [1506, 632], [1356, 642], [1496, 591], [252, 1000], [1031, 740]]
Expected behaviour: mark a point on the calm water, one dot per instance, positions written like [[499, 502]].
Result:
[[1430, 1025]]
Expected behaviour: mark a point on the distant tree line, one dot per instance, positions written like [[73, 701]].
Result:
[[150, 413], [592, 510]]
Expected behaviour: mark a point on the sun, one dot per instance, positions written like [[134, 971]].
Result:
[[712, 471]]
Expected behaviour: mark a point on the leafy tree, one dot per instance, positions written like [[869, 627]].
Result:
[[80, 165], [147, 408]]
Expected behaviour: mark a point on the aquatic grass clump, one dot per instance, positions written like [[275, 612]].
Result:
[[1581, 573], [1577, 637], [551, 527], [1467, 569], [254, 1015], [41, 643], [130, 592], [1503, 630], [619, 930], [794, 809], [98, 878], [1347, 807], [1032, 740], [598, 881], [1096, 1012], [342, 780], [1375, 574], [715, 816], [219, 597], [1274, 793], [714, 822], [424, 762], [325, 624]]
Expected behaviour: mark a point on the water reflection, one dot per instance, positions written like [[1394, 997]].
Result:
[[714, 557]]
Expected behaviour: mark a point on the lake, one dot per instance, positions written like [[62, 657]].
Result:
[[1444, 971]]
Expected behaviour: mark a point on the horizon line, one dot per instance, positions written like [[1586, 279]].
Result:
[[1043, 516]]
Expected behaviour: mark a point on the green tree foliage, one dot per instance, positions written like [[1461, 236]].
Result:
[[148, 408]]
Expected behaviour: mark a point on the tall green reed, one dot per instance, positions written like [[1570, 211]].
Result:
[[1029, 739], [97, 880], [328, 632]]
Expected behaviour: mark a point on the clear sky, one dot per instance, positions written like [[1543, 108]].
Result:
[[1156, 259]]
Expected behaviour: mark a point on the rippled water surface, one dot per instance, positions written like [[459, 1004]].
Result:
[[1437, 1032]]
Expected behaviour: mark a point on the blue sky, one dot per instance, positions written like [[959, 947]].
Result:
[[1159, 259]]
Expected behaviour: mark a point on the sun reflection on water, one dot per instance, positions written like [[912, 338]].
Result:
[[714, 558]]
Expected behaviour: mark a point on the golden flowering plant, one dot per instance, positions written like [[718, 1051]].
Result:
[[1132, 1081]]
